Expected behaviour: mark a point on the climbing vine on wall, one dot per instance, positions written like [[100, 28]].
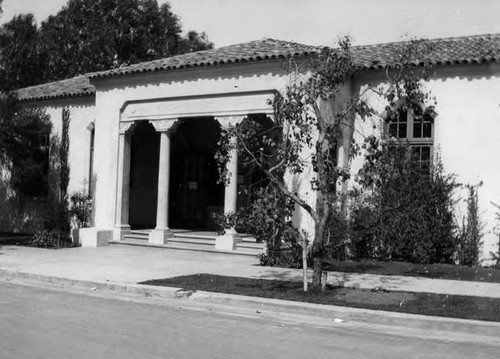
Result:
[[63, 154]]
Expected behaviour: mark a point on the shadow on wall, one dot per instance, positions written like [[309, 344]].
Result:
[[20, 216]]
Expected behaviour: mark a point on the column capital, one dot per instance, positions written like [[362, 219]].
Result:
[[230, 120], [164, 125], [125, 127]]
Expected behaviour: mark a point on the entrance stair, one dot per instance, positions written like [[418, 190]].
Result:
[[201, 241]]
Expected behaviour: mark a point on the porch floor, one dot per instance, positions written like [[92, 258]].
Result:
[[201, 241]]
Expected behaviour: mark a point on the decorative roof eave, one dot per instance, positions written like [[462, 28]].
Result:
[[377, 67], [99, 75], [56, 97], [254, 51], [70, 88]]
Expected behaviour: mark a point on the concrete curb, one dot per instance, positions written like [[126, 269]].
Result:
[[465, 327]]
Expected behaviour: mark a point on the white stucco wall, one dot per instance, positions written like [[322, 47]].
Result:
[[181, 93], [466, 133]]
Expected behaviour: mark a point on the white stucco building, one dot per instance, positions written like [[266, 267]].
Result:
[[144, 135]]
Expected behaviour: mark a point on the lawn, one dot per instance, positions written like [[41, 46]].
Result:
[[417, 303], [440, 271]]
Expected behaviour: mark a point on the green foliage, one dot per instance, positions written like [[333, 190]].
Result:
[[80, 209], [268, 217], [64, 153], [496, 256], [408, 212], [91, 35], [60, 220], [51, 240], [19, 53], [285, 258], [313, 120], [24, 136], [469, 241]]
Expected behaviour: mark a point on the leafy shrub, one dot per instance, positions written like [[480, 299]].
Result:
[[50, 240], [496, 256], [80, 209], [23, 146], [364, 224], [408, 212], [287, 258], [469, 238], [268, 217]]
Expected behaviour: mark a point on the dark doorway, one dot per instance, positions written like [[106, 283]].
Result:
[[194, 193], [144, 158]]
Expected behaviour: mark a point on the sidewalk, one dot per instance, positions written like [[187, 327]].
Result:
[[130, 265]]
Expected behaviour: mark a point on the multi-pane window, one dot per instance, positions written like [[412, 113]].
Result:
[[418, 132]]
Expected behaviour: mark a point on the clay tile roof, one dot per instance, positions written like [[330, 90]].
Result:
[[448, 51], [74, 87], [266, 49]]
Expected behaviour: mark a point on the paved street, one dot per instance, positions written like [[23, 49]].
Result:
[[44, 323]]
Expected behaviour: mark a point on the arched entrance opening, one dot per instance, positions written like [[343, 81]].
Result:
[[195, 194], [144, 158]]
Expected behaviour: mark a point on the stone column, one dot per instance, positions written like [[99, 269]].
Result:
[[123, 182], [162, 232], [227, 242]]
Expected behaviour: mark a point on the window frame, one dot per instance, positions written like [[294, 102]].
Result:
[[411, 140]]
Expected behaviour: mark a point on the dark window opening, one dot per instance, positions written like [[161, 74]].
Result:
[[91, 160]]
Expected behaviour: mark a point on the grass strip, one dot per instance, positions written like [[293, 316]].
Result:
[[455, 306]]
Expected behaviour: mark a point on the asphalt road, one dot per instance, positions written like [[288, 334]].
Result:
[[45, 323]]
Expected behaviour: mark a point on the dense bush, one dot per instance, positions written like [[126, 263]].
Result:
[[289, 257], [80, 209], [51, 240], [470, 233], [268, 217], [495, 256], [407, 214], [24, 134]]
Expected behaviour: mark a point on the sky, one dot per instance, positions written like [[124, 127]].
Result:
[[314, 22]]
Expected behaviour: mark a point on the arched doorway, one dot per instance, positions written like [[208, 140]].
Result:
[[144, 158], [195, 194]]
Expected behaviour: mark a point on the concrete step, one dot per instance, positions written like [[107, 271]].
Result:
[[251, 245], [186, 234], [188, 244], [192, 240]]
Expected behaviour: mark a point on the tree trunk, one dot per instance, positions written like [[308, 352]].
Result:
[[317, 271], [304, 264]]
